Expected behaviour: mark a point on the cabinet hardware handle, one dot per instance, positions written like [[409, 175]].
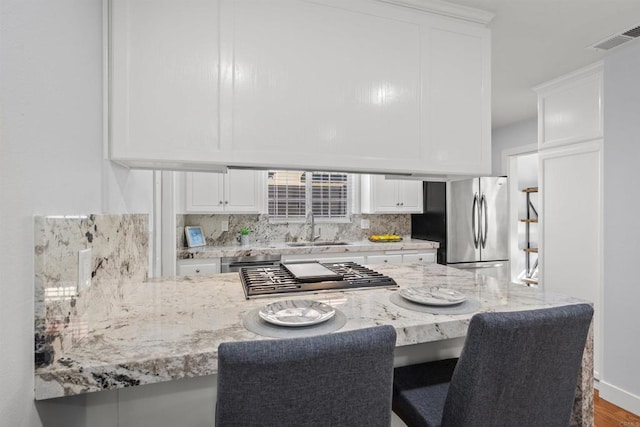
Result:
[[220, 202], [419, 259], [386, 260], [226, 202], [401, 203], [197, 270]]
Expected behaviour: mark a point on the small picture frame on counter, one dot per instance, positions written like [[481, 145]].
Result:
[[195, 236]]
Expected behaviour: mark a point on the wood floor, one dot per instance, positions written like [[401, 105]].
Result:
[[609, 415]]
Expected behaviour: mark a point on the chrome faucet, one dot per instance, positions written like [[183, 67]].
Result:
[[312, 232]]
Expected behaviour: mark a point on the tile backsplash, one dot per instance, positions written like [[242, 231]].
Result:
[[262, 231]]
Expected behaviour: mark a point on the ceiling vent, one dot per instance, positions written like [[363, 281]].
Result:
[[617, 39]]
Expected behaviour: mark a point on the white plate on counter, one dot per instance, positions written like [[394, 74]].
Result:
[[434, 295], [296, 313]]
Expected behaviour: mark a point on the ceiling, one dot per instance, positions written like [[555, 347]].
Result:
[[534, 41]]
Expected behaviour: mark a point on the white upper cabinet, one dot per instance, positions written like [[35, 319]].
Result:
[[164, 82], [237, 191], [359, 86], [321, 85], [380, 195], [457, 131], [570, 108]]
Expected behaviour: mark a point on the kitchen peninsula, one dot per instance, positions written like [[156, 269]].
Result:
[[167, 329]]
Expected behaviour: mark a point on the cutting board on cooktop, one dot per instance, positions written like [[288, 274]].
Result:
[[311, 272]]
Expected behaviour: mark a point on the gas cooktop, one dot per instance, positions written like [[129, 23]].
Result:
[[278, 280]]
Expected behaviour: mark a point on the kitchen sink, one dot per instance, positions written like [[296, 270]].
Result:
[[301, 244]]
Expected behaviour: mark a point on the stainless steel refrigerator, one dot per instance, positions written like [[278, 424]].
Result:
[[469, 219]]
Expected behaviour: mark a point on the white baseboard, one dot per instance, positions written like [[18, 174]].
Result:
[[619, 397]]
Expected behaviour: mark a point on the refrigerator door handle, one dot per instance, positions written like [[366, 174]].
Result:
[[475, 213], [484, 213]]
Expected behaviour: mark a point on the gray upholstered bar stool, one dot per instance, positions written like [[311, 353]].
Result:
[[516, 369], [339, 379]]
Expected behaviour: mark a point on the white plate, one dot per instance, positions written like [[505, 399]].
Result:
[[296, 313], [433, 295]]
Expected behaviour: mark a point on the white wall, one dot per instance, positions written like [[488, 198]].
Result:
[[50, 161], [518, 134], [621, 369]]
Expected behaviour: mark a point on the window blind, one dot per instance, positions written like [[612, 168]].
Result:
[[290, 193], [330, 194]]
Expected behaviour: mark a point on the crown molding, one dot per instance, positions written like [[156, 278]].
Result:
[[446, 9]]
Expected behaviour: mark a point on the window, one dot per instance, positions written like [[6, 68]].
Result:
[[291, 193]]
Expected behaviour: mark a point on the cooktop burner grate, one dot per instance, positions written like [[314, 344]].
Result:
[[277, 280]]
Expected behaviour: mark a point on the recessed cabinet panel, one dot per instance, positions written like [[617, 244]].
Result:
[[385, 195], [570, 108], [238, 191], [164, 80], [571, 240], [300, 85], [458, 89], [381, 195], [204, 192], [245, 190], [411, 196], [572, 113]]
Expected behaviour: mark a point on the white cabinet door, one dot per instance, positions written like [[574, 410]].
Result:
[[570, 108], [164, 60], [410, 196], [457, 99], [204, 192], [383, 195], [238, 191], [245, 191], [198, 267], [380, 195], [570, 253], [419, 258], [384, 259], [321, 83]]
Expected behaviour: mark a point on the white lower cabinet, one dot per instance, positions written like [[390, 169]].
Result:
[[198, 267], [390, 257], [384, 259], [419, 258], [203, 267]]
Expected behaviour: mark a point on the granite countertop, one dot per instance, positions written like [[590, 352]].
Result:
[[162, 330], [283, 248]]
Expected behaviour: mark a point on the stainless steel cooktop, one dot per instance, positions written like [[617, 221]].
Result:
[[278, 280]]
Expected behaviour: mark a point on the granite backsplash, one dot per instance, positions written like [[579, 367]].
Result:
[[263, 231], [119, 254]]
